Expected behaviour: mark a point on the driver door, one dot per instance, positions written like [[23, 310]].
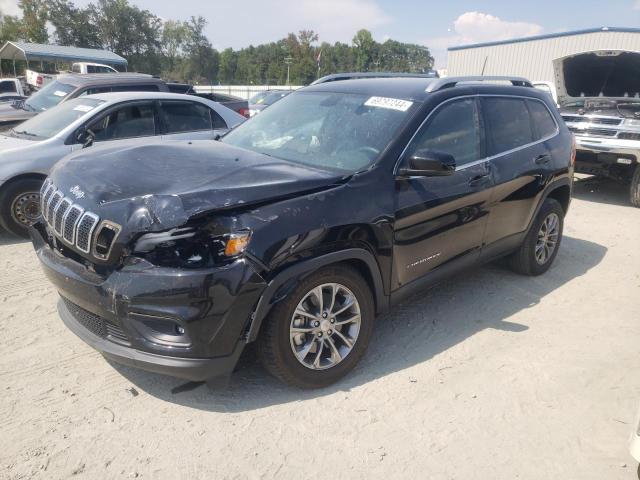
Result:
[[127, 121], [440, 220]]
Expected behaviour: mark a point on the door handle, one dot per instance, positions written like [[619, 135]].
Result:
[[479, 180], [542, 159]]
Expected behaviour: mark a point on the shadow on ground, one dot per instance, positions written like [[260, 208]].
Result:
[[601, 190], [7, 239], [412, 333]]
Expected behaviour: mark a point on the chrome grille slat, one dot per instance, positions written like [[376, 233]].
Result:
[[84, 231], [69, 221], [45, 199], [61, 210], [55, 200]]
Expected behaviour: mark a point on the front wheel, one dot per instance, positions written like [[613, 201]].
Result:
[[20, 205], [320, 331], [540, 246]]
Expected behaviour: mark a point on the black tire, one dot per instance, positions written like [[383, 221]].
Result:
[[9, 212], [524, 260], [274, 347], [634, 189]]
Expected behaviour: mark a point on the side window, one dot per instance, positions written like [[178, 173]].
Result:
[[453, 129], [7, 87], [94, 90], [218, 122], [508, 124], [136, 88], [91, 69], [185, 116], [126, 122], [542, 119]]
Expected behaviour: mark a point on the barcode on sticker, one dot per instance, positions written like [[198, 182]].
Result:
[[392, 103]]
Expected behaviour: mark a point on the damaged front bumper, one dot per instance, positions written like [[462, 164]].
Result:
[[184, 323], [599, 155]]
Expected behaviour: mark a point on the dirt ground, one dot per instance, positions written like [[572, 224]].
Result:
[[488, 376]]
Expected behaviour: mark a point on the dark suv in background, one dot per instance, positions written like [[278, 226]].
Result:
[[69, 86], [303, 223]]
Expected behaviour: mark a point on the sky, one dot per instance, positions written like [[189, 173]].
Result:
[[435, 24]]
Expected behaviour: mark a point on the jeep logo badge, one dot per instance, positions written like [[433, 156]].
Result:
[[76, 191]]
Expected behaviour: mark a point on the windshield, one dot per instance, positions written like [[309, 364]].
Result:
[[53, 121], [258, 97], [48, 96], [334, 131]]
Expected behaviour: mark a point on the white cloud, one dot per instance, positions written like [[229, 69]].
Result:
[[476, 27], [9, 7]]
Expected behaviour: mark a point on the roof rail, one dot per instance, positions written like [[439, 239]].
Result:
[[355, 75], [449, 82]]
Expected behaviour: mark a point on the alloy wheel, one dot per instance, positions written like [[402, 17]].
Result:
[[547, 238], [325, 326]]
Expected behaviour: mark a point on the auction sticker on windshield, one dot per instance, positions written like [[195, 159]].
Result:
[[392, 103], [60, 93], [83, 108]]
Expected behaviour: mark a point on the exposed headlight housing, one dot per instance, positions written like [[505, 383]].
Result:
[[191, 248]]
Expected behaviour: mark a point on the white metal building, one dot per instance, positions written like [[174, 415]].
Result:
[[532, 57]]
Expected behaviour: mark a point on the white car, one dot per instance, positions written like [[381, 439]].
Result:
[[30, 149], [634, 444]]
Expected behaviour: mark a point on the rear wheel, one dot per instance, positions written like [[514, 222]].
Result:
[[634, 190], [20, 205], [540, 246], [319, 332]]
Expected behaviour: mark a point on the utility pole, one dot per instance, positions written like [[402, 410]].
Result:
[[288, 61]]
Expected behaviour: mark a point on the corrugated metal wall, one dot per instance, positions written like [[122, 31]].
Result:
[[533, 59]]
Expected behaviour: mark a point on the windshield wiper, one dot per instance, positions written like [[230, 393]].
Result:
[[24, 132]]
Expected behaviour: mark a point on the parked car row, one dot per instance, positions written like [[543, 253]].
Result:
[[296, 228]]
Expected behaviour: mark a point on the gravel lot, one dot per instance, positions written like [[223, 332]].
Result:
[[488, 376]]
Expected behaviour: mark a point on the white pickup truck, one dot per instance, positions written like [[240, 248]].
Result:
[[38, 80], [11, 89]]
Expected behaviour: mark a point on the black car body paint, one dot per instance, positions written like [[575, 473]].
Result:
[[401, 233]]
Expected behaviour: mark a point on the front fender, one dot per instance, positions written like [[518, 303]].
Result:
[[280, 285]]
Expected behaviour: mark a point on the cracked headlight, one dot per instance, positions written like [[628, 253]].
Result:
[[191, 248]]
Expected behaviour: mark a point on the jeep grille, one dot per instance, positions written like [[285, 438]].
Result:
[[72, 224]]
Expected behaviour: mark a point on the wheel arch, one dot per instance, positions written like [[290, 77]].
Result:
[[561, 193], [22, 176], [560, 190], [359, 259]]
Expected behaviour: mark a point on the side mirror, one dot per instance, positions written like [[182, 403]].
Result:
[[429, 163], [86, 137]]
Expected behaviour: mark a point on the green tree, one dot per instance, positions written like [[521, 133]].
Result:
[[365, 47], [34, 21], [73, 25], [10, 28], [228, 63]]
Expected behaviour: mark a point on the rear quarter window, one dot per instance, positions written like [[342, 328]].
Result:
[[543, 121], [508, 124]]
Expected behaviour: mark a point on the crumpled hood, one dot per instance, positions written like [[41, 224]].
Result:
[[613, 74], [161, 184]]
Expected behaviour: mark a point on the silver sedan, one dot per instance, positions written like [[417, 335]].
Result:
[[30, 149]]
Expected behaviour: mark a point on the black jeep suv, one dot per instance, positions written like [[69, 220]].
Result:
[[301, 225]]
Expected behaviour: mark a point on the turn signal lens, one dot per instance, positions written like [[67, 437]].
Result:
[[236, 243]]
